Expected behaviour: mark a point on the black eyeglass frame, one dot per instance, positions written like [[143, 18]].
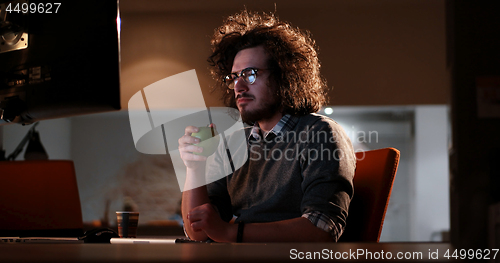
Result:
[[237, 75]]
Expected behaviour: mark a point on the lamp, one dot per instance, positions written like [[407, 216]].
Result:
[[35, 149]]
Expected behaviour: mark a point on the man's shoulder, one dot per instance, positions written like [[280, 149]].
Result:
[[316, 120]]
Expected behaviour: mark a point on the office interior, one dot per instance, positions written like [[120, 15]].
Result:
[[396, 81]]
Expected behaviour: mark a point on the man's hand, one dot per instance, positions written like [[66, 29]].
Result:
[[195, 195], [205, 218], [186, 149]]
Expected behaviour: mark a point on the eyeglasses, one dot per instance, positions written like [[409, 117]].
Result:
[[249, 75]]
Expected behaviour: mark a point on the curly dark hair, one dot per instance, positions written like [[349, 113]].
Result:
[[294, 63]]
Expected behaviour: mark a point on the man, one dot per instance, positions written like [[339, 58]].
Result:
[[297, 182]]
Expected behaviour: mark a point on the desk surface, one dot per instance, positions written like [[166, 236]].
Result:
[[358, 252]]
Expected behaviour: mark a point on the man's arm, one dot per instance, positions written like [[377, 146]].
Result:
[[205, 219], [192, 199], [195, 169]]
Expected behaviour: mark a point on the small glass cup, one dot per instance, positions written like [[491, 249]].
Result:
[[127, 223]]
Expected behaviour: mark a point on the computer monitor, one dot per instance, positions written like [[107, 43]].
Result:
[[58, 59]]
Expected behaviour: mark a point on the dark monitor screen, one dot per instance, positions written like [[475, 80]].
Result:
[[58, 59]]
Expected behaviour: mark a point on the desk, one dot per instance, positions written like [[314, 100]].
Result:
[[220, 253]]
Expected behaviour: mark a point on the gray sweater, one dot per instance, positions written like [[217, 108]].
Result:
[[308, 167]]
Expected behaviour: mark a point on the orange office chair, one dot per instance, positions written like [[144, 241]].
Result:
[[375, 173], [39, 198]]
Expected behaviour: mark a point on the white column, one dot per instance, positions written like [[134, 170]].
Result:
[[430, 209], [1, 140]]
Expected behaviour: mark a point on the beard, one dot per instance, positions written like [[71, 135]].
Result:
[[266, 110]]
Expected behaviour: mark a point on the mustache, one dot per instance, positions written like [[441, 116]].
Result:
[[244, 95]]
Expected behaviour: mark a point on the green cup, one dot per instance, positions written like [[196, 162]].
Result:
[[209, 140]]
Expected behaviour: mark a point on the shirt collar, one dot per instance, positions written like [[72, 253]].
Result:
[[286, 123]]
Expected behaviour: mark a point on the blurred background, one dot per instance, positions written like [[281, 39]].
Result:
[[386, 66]]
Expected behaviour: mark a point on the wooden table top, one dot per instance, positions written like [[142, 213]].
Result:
[[214, 252]]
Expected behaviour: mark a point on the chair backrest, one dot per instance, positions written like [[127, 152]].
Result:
[[39, 198], [373, 180]]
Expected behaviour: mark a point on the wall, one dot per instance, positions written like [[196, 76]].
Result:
[[111, 171], [373, 52]]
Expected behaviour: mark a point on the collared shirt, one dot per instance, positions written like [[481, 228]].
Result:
[[286, 123], [319, 219]]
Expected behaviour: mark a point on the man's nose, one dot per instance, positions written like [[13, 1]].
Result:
[[240, 86]]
